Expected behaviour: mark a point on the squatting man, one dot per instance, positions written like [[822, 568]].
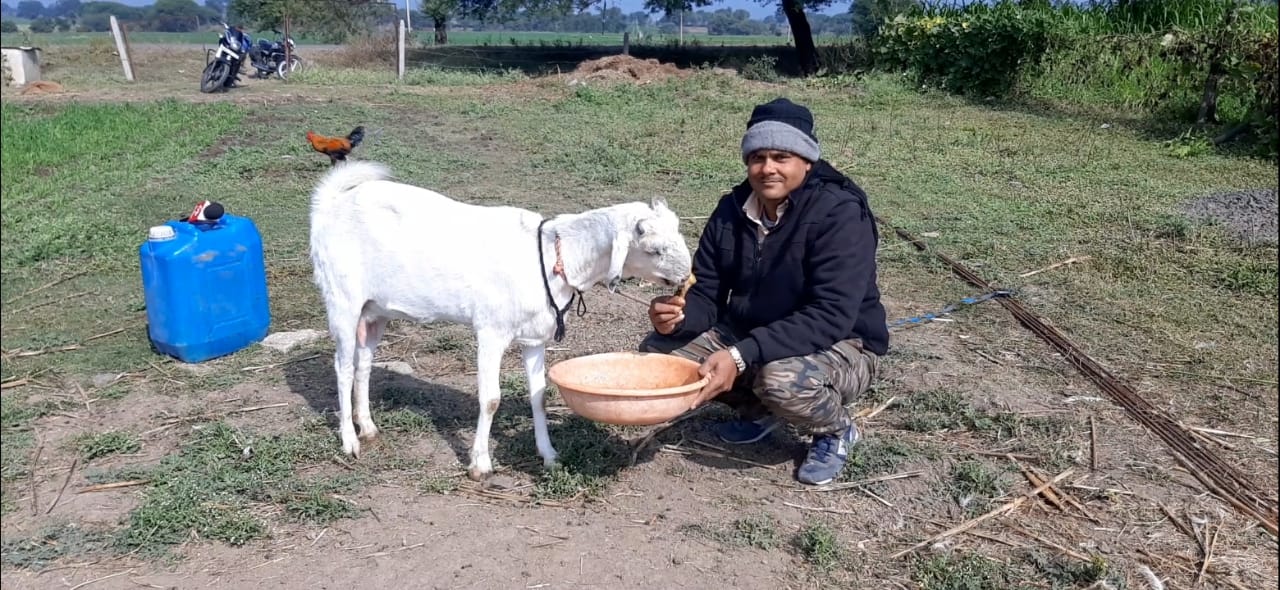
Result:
[[785, 314]]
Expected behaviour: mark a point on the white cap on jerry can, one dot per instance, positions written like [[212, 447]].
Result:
[[160, 233]]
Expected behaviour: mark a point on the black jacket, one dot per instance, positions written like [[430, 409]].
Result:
[[809, 284]]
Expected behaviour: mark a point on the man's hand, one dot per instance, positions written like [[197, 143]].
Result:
[[666, 312], [722, 371]]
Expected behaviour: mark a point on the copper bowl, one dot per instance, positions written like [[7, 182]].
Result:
[[628, 388]]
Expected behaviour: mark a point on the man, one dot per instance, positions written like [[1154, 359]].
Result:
[[785, 315]]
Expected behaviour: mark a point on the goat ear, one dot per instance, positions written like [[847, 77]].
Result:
[[659, 203]]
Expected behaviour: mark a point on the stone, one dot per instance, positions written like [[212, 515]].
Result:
[[287, 341]]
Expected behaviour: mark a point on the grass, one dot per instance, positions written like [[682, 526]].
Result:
[[105, 444], [1005, 190], [818, 545], [216, 485], [51, 543], [759, 531], [973, 484], [961, 572]]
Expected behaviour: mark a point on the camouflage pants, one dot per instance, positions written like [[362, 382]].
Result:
[[810, 392]]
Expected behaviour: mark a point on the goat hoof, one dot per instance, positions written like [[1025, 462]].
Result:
[[476, 474], [351, 447], [368, 434]]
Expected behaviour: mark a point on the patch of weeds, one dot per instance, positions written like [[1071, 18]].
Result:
[[14, 454], [970, 572], [105, 444], [563, 482], [438, 484], [397, 396], [972, 481], [758, 530], [445, 342], [932, 411], [940, 410], [875, 456], [589, 458], [513, 386], [317, 502], [18, 413], [212, 485], [51, 543], [1252, 278], [404, 420], [132, 472], [1063, 573], [1188, 145], [817, 543], [762, 68], [113, 392]]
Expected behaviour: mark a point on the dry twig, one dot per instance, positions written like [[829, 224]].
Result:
[[107, 577], [65, 481], [860, 483], [819, 509], [964, 526], [1093, 444], [115, 485], [1072, 260]]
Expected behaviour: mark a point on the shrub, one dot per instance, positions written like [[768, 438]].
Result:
[[979, 52]]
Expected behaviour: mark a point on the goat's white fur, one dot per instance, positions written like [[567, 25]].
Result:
[[384, 250]]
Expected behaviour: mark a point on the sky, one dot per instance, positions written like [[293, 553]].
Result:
[[752, 6]]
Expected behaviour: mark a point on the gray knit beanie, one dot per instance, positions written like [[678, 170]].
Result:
[[781, 125]]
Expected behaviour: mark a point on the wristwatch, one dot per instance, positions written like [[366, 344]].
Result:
[[737, 359]]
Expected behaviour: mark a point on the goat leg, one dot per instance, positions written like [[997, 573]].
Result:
[[534, 357]]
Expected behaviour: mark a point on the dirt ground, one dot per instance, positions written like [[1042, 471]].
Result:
[[689, 513]]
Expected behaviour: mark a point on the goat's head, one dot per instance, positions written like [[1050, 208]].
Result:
[[654, 250]]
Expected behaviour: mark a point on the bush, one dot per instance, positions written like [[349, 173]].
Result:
[[42, 25], [8, 26], [981, 51]]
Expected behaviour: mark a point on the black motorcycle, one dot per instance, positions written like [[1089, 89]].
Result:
[[268, 57]]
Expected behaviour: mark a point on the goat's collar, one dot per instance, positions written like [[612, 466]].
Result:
[[558, 269]]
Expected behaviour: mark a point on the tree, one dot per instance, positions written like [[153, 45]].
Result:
[[332, 20], [30, 9], [67, 9], [801, 32], [218, 7], [176, 16], [869, 14], [439, 12]]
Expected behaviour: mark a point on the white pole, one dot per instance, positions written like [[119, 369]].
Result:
[[120, 48], [408, 20], [401, 63]]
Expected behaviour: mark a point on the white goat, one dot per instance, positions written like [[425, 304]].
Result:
[[383, 250]]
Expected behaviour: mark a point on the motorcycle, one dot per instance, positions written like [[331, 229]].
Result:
[[223, 68], [270, 58]]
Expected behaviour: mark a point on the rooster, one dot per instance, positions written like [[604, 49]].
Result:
[[336, 148]]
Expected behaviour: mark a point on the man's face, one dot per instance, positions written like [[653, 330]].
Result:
[[774, 174]]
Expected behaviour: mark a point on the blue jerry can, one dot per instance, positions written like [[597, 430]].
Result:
[[205, 284]]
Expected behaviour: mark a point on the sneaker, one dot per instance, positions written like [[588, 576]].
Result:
[[827, 456], [741, 432]]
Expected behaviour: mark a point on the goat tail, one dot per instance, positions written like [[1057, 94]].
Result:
[[330, 196]]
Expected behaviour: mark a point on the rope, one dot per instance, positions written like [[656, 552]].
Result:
[[546, 285], [929, 317]]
